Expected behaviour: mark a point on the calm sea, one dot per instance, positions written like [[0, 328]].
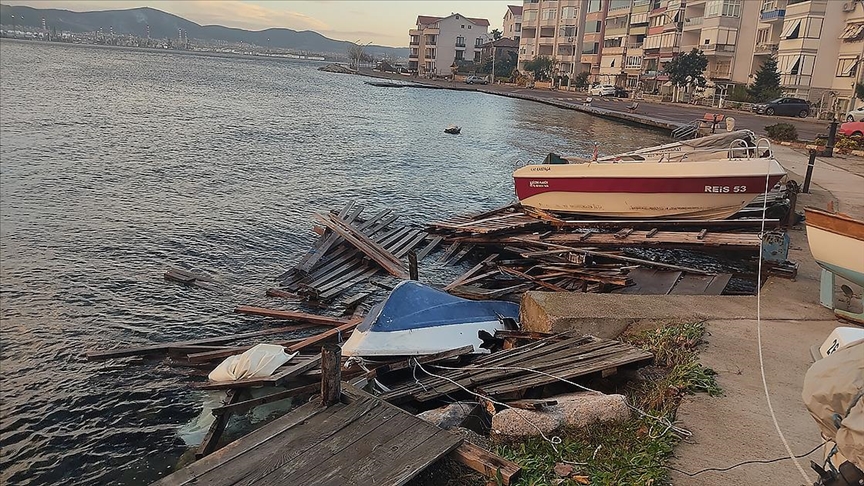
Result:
[[115, 164]]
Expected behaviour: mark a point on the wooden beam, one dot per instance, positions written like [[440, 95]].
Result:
[[331, 374], [539, 282], [211, 440], [365, 244], [470, 273], [485, 462], [290, 315], [246, 405], [348, 326]]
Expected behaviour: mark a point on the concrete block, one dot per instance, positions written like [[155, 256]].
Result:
[[449, 416], [575, 410]]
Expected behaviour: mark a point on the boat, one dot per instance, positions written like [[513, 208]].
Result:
[[416, 319], [453, 130], [709, 178], [837, 243]]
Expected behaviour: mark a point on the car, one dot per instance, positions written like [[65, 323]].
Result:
[[852, 129], [476, 80], [621, 92], [783, 106], [602, 90], [856, 115]]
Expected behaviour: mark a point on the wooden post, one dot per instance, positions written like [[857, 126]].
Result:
[[331, 374], [412, 265]]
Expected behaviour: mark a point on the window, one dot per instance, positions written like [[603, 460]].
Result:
[[568, 13], [463, 26], [796, 67], [634, 61], [612, 64], [518, 27], [593, 6], [791, 29], [460, 55], [814, 28], [725, 8], [616, 4], [762, 36], [612, 42], [567, 31], [476, 56], [593, 26], [478, 42], [469, 27], [548, 14], [847, 67], [460, 41], [529, 15], [590, 48]]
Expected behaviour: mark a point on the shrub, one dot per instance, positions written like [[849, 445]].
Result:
[[846, 144], [784, 132], [739, 93]]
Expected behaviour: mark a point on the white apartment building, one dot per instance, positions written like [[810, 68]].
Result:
[[513, 22], [849, 69], [555, 29], [438, 43]]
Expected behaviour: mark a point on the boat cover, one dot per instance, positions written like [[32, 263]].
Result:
[[833, 389], [412, 305]]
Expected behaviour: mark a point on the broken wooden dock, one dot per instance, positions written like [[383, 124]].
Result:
[[361, 440]]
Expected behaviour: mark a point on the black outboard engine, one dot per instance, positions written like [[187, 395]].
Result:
[[845, 475]]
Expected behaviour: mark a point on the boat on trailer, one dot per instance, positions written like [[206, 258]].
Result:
[[709, 178], [416, 319], [837, 243]]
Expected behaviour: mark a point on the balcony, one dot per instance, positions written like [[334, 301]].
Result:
[[615, 32], [613, 51], [413, 56], [460, 45], [634, 46], [772, 15], [718, 49], [762, 49], [414, 43], [693, 23], [720, 74]]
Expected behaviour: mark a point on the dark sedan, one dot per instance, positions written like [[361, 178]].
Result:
[[784, 106]]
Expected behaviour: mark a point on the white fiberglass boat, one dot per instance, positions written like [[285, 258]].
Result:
[[837, 243], [709, 178]]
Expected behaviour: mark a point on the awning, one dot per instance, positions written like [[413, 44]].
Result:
[[853, 32], [793, 26]]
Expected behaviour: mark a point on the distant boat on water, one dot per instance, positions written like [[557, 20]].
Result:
[[453, 130]]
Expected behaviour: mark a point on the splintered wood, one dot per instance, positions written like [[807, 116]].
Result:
[[351, 250], [532, 249]]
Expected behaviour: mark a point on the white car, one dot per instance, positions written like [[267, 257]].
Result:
[[602, 90], [856, 115]]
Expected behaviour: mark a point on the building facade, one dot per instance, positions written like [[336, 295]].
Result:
[[554, 29], [439, 43], [513, 23]]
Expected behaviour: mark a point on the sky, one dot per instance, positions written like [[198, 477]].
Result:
[[380, 22]]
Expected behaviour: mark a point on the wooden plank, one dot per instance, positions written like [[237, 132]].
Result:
[[347, 284], [290, 315], [271, 292], [310, 259], [367, 246], [429, 358], [292, 369], [470, 273], [449, 251], [428, 248], [211, 440], [485, 462], [312, 340], [718, 284], [163, 347], [700, 285], [531, 404], [246, 405], [537, 281], [411, 244]]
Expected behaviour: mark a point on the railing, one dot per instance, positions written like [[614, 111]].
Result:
[[634, 46], [460, 44], [766, 48], [720, 74], [771, 15], [718, 47], [693, 21]]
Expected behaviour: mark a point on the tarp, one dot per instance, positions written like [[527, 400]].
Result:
[[257, 362], [833, 389]]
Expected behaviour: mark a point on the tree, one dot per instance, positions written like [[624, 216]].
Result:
[[356, 54], [767, 84], [859, 91], [580, 81], [541, 67], [496, 34], [504, 64], [687, 69]]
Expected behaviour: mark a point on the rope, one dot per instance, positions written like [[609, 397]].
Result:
[[759, 332]]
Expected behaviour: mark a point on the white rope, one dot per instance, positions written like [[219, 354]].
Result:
[[759, 330], [553, 441], [669, 424]]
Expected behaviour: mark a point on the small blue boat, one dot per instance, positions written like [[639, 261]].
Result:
[[416, 319]]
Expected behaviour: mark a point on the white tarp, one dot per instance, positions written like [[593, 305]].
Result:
[[833, 389], [257, 362]]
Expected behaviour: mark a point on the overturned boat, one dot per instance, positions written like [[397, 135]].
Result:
[[708, 178], [416, 319]]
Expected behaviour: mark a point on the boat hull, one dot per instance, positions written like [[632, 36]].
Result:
[[837, 243], [688, 190], [418, 342]]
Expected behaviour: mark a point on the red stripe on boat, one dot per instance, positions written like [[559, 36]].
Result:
[[531, 186]]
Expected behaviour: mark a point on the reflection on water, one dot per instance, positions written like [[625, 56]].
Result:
[[115, 164]]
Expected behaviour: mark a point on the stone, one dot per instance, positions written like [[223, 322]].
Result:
[[563, 470], [449, 416], [575, 410]]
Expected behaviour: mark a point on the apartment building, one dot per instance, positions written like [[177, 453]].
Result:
[[513, 22], [438, 43], [556, 29], [851, 51]]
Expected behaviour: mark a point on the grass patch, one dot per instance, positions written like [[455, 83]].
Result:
[[636, 451]]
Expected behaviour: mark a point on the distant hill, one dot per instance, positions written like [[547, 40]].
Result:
[[164, 25]]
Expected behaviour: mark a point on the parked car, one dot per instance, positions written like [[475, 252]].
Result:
[[476, 80], [621, 92], [602, 90], [784, 106], [852, 129], [856, 115]]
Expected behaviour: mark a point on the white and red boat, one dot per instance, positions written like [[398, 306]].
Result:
[[709, 178]]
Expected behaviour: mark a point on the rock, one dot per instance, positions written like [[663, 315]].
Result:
[[575, 410], [449, 416], [336, 68], [563, 470]]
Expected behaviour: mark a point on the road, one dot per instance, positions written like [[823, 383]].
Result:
[[660, 115]]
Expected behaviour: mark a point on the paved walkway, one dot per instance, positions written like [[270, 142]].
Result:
[[667, 114]]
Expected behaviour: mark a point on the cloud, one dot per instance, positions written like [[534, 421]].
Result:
[[234, 13]]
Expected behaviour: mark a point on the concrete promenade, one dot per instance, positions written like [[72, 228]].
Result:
[[664, 116]]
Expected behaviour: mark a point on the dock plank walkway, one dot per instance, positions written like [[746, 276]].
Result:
[[364, 441]]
